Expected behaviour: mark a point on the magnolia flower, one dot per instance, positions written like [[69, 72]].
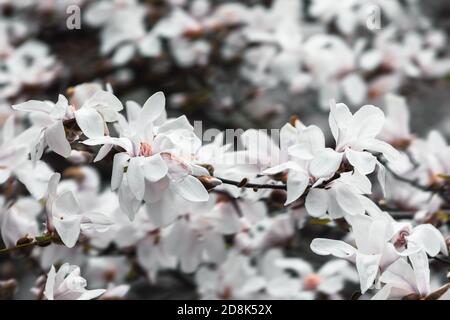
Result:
[[302, 154], [65, 215], [100, 107], [355, 136], [373, 252], [155, 163], [67, 284]]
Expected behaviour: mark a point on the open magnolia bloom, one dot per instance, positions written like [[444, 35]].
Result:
[[155, 162], [303, 156], [355, 136], [50, 119], [65, 215], [67, 284], [373, 252]]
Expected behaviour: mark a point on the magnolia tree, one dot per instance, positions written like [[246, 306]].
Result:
[[99, 191]]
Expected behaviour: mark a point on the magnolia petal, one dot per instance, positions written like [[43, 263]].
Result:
[[153, 108], [362, 161], [349, 201], [367, 122], [68, 229], [297, 183], [419, 261], [336, 248], [33, 106], [368, 268], [55, 137], [325, 163], [428, 237], [49, 285], [119, 162], [90, 122], [135, 178], [154, 168], [191, 189], [103, 152], [317, 202]]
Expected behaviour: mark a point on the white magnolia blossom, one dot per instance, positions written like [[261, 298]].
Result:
[[67, 284]]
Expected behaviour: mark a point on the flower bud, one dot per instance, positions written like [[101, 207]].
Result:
[[209, 182]]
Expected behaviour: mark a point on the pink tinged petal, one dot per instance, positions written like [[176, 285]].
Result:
[[119, 163], [367, 122], [56, 139], [154, 168], [317, 202], [368, 268], [362, 161], [50, 284], [90, 122], [349, 201], [336, 248], [135, 177], [325, 163], [419, 261], [191, 189], [32, 106], [153, 108], [429, 238], [297, 183]]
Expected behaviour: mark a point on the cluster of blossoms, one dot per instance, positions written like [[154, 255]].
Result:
[[381, 45], [97, 188], [177, 204]]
